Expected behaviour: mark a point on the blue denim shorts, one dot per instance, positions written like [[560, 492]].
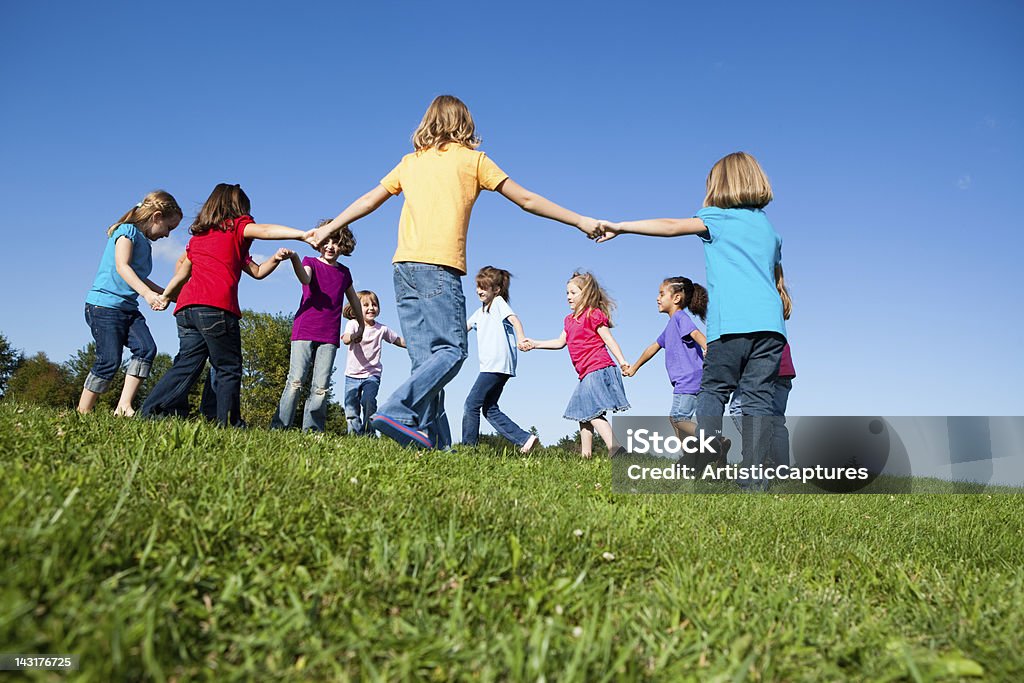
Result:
[[684, 407], [597, 393]]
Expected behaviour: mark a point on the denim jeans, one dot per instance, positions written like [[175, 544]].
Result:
[[484, 395], [113, 329], [361, 403], [780, 432], [307, 356], [203, 332], [432, 312], [747, 364]]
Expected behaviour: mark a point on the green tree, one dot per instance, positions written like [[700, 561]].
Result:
[[10, 359], [81, 362], [266, 351], [41, 381]]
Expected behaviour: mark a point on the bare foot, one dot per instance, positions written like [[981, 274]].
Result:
[[587, 456], [530, 444], [124, 412]]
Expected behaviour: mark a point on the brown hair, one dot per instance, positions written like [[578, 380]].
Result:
[[446, 120], [780, 284], [362, 294], [737, 180], [695, 297], [592, 296], [157, 201], [225, 203], [343, 237], [492, 278]]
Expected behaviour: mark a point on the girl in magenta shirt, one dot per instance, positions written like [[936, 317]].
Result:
[[316, 331], [587, 333]]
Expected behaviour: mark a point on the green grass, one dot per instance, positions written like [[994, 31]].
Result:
[[177, 551]]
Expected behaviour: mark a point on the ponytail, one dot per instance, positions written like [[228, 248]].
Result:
[[157, 201], [695, 297]]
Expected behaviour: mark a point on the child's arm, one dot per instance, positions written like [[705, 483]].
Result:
[[154, 286], [123, 249], [552, 344], [400, 342], [365, 205], [655, 227], [648, 354], [357, 311], [303, 273], [540, 206], [518, 327], [701, 340], [605, 333], [258, 271], [182, 272], [271, 231]]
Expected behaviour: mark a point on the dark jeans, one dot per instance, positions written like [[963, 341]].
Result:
[[484, 395], [113, 329], [203, 332], [361, 403], [749, 365]]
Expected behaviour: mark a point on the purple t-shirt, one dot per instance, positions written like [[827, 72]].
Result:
[[684, 359], [319, 316]]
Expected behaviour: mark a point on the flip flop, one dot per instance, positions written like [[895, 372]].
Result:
[[398, 432]]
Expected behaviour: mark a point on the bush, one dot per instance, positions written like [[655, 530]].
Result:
[[41, 381], [10, 359]]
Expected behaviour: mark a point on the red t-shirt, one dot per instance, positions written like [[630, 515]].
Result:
[[217, 257], [586, 348]]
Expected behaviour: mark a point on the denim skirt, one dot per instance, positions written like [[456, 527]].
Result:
[[597, 393]]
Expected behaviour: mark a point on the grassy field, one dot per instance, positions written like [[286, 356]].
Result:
[[178, 551]]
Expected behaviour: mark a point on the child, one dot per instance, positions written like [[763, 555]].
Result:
[[780, 391], [441, 180], [207, 311], [317, 330], [746, 331], [112, 306], [684, 348], [586, 332], [499, 332], [363, 367]]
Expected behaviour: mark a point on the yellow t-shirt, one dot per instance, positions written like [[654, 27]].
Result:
[[440, 188]]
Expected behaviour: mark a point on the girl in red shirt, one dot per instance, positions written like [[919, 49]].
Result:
[[208, 313]]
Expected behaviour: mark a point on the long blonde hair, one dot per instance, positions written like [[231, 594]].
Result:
[[780, 284], [592, 296], [446, 120], [143, 212], [737, 180]]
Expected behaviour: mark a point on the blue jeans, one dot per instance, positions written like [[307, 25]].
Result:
[[747, 364], [113, 329], [432, 312], [361, 403], [484, 395], [780, 432], [306, 356], [203, 332]]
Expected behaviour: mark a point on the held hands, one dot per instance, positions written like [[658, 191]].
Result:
[[606, 230], [283, 254], [310, 238], [156, 301], [589, 227], [353, 337], [525, 345], [627, 370]]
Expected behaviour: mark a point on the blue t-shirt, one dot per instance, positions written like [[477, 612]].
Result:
[[684, 359], [740, 254], [109, 289]]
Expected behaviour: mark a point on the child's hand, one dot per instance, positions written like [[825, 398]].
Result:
[[607, 230], [356, 336], [627, 370], [310, 237], [525, 345], [283, 254], [155, 301], [589, 227]]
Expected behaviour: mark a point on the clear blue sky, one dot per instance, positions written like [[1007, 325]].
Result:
[[891, 132]]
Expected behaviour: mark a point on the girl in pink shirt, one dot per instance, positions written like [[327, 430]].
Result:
[[587, 333]]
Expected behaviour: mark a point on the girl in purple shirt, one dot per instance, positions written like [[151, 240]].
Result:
[[316, 332], [684, 346]]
